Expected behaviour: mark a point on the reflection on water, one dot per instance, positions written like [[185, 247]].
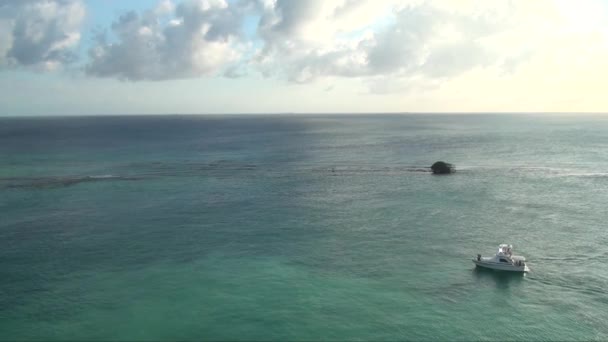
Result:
[[501, 279]]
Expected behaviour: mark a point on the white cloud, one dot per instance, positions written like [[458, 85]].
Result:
[[305, 39], [400, 40], [191, 39], [430, 52], [425, 47], [39, 33]]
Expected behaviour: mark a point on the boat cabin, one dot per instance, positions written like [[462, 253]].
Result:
[[505, 249], [505, 255]]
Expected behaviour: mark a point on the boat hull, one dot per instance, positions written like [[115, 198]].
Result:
[[500, 267]]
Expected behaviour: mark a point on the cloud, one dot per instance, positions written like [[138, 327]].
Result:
[[192, 39], [39, 33], [416, 39], [301, 38], [383, 46], [422, 42]]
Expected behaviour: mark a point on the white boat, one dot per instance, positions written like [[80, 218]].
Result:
[[504, 260]]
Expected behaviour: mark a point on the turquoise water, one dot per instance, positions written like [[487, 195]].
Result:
[[302, 227]]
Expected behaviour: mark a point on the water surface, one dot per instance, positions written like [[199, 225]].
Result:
[[301, 227]]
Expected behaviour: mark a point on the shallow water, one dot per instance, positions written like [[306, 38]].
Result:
[[301, 227]]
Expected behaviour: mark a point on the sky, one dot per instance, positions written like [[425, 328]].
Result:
[[94, 57]]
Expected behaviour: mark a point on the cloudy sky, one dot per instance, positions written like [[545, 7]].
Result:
[[302, 56]]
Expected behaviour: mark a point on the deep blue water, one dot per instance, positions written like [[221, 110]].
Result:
[[324, 227]]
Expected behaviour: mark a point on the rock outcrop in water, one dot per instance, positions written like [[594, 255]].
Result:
[[442, 168]]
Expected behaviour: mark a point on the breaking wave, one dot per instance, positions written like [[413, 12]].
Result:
[[138, 171], [57, 182]]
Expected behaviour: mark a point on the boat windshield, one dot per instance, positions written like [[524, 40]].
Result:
[[505, 249]]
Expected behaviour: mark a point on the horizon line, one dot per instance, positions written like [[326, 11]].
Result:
[[302, 113]]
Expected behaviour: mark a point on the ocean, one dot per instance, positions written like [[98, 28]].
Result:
[[302, 227]]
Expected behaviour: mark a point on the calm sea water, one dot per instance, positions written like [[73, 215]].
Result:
[[302, 227]]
